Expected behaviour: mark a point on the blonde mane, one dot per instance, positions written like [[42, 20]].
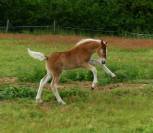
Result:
[[87, 40]]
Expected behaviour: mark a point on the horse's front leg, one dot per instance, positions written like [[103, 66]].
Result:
[[105, 68], [108, 71], [94, 71]]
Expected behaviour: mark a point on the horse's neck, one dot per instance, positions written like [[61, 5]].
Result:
[[91, 46]]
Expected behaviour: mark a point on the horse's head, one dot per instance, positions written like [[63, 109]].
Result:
[[102, 52]]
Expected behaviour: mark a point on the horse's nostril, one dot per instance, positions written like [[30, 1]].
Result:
[[103, 62]]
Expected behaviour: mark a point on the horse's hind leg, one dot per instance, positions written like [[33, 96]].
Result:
[[94, 71], [54, 85], [43, 81]]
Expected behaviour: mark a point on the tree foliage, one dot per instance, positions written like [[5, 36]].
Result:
[[118, 15]]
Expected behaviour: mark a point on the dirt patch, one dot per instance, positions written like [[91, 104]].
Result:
[[127, 43], [72, 84], [130, 43], [8, 80], [70, 39], [87, 85]]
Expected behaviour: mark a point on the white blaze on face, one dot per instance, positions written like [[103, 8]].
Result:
[[102, 60], [106, 51], [104, 42]]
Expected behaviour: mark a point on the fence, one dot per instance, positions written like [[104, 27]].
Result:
[[57, 29]]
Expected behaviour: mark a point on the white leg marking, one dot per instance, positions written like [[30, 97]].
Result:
[[56, 94], [94, 62], [94, 71], [43, 81], [108, 71]]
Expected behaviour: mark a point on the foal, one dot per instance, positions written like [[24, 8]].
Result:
[[78, 56]]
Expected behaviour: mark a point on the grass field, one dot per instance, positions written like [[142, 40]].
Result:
[[117, 106]]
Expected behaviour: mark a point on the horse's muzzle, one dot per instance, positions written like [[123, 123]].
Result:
[[103, 62]]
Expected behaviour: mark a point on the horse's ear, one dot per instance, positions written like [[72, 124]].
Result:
[[104, 42]]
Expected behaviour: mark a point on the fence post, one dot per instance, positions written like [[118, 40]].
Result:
[[54, 26], [7, 25]]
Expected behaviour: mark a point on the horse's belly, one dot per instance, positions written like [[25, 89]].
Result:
[[70, 66]]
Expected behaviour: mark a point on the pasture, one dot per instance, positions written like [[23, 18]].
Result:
[[121, 105]]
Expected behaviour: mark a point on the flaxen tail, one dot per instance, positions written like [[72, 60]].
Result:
[[37, 55]]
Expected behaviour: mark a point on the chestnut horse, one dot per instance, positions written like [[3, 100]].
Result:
[[78, 56]]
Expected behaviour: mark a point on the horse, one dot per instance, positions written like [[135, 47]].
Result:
[[78, 56]]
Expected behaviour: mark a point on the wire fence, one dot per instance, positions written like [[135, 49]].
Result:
[[57, 29]]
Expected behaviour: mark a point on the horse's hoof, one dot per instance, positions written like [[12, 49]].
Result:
[[114, 76], [62, 102], [92, 88], [39, 101]]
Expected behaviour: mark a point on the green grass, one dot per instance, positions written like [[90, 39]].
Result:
[[125, 109], [119, 110]]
